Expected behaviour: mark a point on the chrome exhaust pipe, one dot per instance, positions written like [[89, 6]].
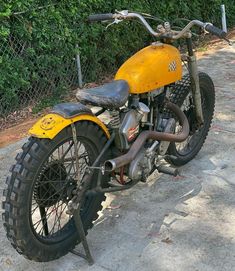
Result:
[[125, 159]]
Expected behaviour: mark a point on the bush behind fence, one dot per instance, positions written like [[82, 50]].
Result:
[[39, 43]]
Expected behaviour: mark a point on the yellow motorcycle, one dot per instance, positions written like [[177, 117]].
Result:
[[159, 119]]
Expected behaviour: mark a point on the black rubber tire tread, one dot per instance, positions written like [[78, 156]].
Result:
[[19, 185], [178, 96]]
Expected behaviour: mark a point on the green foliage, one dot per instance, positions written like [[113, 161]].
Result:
[[38, 46]]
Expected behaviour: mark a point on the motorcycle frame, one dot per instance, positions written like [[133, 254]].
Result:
[[193, 71]]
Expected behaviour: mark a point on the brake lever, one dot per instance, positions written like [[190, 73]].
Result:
[[116, 21]]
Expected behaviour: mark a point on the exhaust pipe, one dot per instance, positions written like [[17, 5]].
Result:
[[125, 159]]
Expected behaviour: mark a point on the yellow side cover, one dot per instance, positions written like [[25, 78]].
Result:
[[50, 125], [153, 67]]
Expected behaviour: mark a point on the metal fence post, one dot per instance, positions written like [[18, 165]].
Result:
[[224, 23], [80, 81]]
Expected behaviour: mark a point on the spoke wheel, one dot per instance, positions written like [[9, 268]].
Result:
[[53, 190], [41, 185]]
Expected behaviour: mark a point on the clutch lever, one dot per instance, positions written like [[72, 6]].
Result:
[[115, 21]]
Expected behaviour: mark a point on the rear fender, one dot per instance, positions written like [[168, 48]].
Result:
[[62, 116]]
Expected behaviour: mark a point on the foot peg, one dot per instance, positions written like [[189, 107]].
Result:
[[168, 170]]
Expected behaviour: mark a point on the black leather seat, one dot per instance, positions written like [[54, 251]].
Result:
[[112, 95]]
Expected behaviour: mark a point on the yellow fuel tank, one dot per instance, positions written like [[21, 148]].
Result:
[[152, 67]]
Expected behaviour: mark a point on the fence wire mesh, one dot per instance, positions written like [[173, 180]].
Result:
[[35, 74]]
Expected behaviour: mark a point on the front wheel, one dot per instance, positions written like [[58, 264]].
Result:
[[40, 187], [182, 96]]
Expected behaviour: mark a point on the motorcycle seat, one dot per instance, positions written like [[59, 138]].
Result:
[[111, 95]]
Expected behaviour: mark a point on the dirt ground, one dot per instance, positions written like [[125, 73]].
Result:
[[185, 223], [15, 133]]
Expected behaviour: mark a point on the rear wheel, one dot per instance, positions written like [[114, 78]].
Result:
[[182, 96], [40, 188]]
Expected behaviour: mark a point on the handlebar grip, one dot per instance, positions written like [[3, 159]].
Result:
[[100, 17], [216, 31]]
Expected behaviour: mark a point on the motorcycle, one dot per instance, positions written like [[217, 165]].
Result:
[[159, 120]]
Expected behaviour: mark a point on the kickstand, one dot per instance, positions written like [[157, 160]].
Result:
[[81, 232]]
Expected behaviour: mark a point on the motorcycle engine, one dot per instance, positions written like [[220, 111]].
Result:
[[131, 122], [130, 126]]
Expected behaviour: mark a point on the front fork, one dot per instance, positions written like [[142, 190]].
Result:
[[195, 85]]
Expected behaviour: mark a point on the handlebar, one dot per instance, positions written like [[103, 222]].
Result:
[[101, 17], [216, 31], [185, 32]]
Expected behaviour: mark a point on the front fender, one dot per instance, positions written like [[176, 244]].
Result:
[[50, 125]]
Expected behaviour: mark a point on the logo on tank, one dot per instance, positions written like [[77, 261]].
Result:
[[172, 66]]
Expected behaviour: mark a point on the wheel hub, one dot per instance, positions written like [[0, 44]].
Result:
[[52, 185]]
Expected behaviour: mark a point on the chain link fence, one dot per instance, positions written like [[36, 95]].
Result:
[[30, 84], [28, 80], [36, 75]]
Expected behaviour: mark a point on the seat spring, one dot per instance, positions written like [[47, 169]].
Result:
[[115, 119]]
